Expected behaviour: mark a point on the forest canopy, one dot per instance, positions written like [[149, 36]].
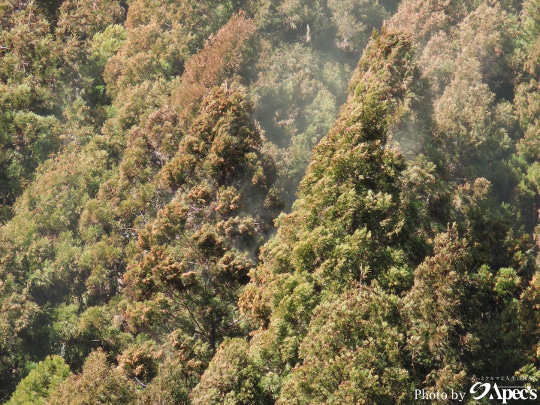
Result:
[[268, 201]]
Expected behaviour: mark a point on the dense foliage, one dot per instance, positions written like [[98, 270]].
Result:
[[215, 203]]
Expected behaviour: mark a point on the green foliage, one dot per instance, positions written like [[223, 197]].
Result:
[[107, 42], [230, 378], [44, 70], [161, 36], [37, 387], [99, 383], [435, 308], [354, 20], [422, 18], [147, 147], [28, 74], [296, 98], [345, 224], [40, 263], [352, 353], [198, 250], [185, 359]]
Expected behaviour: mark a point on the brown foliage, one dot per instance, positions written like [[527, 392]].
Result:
[[222, 58]]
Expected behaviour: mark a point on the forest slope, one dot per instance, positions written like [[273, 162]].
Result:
[[149, 147]]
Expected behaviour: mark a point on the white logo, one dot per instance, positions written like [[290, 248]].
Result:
[[504, 393]]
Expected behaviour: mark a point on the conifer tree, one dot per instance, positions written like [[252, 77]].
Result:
[[195, 256], [40, 383], [345, 228]]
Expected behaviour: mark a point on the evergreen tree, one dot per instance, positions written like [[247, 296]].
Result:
[[195, 256], [99, 383], [345, 227], [40, 383]]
